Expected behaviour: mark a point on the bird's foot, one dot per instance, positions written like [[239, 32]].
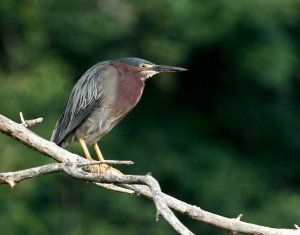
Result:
[[93, 169], [106, 169], [103, 169]]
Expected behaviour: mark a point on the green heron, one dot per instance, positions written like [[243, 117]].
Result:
[[100, 99]]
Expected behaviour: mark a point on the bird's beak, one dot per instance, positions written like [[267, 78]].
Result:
[[165, 68]]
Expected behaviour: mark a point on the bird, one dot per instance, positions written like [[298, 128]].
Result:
[[100, 99]]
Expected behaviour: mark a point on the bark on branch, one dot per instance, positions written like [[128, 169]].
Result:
[[146, 186]]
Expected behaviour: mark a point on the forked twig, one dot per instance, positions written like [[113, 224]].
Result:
[[31, 122]]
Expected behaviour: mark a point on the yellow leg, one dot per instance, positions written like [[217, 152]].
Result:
[[104, 168], [88, 156], [85, 149], [98, 152]]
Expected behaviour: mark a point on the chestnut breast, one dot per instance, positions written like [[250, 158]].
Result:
[[129, 89]]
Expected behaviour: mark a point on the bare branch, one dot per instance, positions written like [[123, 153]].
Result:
[[28, 123], [231, 232], [12, 178], [76, 172], [149, 188], [111, 162]]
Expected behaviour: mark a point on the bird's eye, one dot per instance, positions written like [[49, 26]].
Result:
[[142, 66]]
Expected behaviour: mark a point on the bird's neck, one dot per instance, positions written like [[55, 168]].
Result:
[[130, 87]]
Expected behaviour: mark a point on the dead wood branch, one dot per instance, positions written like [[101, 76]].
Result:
[[142, 185], [73, 170]]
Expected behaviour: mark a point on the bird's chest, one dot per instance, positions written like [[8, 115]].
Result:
[[126, 94], [129, 92]]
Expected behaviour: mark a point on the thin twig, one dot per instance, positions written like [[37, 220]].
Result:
[[234, 232], [112, 162], [31, 122]]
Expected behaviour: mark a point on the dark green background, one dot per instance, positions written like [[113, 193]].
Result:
[[225, 135]]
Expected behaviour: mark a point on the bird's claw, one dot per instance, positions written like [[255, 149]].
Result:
[[106, 169]]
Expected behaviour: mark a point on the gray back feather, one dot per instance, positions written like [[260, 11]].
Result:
[[83, 97]]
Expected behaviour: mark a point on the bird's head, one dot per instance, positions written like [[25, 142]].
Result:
[[148, 69]]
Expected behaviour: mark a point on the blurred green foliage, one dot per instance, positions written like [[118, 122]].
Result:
[[224, 135]]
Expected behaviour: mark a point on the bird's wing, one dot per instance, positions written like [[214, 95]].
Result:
[[83, 97]]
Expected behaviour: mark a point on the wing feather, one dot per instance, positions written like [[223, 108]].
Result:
[[84, 95]]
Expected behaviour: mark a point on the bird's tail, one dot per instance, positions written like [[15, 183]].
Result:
[[54, 134], [55, 138]]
